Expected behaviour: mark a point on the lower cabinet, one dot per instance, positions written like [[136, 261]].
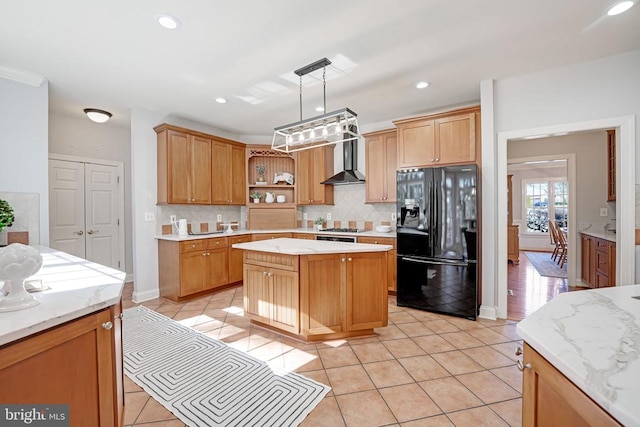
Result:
[[551, 399], [235, 257], [78, 363], [304, 236], [598, 261], [271, 290], [264, 236], [191, 267], [513, 244], [391, 259]]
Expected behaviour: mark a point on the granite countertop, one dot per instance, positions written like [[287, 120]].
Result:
[[593, 338], [176, 238], [308, 247], [77, 287], [605, 235]]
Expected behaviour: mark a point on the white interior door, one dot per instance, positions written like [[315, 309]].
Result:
[[66, 201], [101, 214], [83, 217]]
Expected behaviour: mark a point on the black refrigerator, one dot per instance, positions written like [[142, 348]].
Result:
[[437, 244]]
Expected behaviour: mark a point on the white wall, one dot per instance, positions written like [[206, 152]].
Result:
[[603, 90], [23, 145]]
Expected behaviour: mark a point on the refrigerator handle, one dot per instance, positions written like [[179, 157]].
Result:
[[421, 261]]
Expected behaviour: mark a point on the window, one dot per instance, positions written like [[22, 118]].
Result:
[[544, 199]]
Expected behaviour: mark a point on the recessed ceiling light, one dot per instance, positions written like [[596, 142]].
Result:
[[98, 116], [319, 109], [167, 21], [221, 100], [619, 8], [422, 85]]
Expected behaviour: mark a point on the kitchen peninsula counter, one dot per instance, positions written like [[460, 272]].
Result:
[[592, 338], [315, 290]]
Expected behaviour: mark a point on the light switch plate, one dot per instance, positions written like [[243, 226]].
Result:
[[604, 212], [173, 219], [305, 216], [328, 216], [149, 216], [219, 218], [393, 216]]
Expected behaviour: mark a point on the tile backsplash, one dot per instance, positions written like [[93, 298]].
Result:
[[26, 212]]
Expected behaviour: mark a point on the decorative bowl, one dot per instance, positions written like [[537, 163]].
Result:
[[383, 228]]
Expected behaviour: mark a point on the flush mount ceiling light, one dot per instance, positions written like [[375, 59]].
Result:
[[326, 129], [167, 21], [221, 100], [98, 116], [619, 8], [422, 85]]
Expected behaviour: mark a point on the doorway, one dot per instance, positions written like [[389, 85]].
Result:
[[86, 202], [625, 202]]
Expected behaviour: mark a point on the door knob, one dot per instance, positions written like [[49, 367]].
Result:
[[522, 366], [79, 233], [92, 231]]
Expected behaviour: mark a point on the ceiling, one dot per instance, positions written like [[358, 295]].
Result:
[[113, 55]]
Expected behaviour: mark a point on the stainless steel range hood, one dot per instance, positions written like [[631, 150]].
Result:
[[350, 174]]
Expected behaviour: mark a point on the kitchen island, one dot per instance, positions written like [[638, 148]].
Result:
[[68, 348], [582, 359], [315, 290]]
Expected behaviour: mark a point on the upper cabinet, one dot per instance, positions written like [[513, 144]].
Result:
[[441, 139], [196, 168], [611, 165], [312, 167], [184, 167], [381, 164], [228, 186]]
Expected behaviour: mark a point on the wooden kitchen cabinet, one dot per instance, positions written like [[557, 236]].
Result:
[[598, 258], [271, 290], [228, 185], [235, 257], [78, 363], [440, 139], [611, 165], [391, 259], [381, 165], [312, 167], [551, 399], [184, 166], [264, 236], [304, 236], [192, 267], [513, 244]]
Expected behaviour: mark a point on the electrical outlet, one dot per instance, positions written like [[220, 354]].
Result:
[[393, 216], [604, 212], [173, 219], [328, 216], [219, 218], [305, 216], [149, 216]]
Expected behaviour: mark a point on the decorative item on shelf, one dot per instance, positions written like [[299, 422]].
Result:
[[269, 197], [280, 198], [325, 129], [17, 262], [318, 223], [6, 215], [261, 169], [283, 177], [255, 196]]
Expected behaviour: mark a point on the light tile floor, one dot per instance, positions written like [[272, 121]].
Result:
[[423, 369]]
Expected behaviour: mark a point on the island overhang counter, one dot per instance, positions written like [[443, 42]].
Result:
[[315, 290]]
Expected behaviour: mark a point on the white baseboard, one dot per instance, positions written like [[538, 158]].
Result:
[[128, 278], [488, 312], [139, 297]]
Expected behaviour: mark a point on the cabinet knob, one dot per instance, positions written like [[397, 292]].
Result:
[[522, 366], [264, 273], [269, 274], [193, 246], [107, 325], [375, 242], [350, 259], [518, 351], [343, 259]]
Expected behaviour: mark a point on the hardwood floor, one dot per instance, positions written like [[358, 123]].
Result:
[[530, 290]]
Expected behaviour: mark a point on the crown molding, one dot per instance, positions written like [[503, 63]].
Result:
[[20, 76]]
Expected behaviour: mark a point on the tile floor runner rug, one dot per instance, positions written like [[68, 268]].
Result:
[[545, 265], [204, 382]]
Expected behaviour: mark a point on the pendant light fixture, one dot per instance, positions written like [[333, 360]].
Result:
[[98, 116], [326, 129]]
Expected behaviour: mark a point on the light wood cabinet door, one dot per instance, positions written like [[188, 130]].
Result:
[[312, 167], [551, 399], [78, 363], [284, 300], [381, 166], [257, 295], [217, 268], [189, 168], [456, 139], [323, 289], [366, 299], [200, 170], [221, 173], [238, 177], [193, 272], [416, 144], [391, 259], [236, 258], [587, 259], [513, 244]]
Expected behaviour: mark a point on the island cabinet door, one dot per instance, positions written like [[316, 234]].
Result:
[[366, 290], [284, 300], [550, 399], [322, 293], [257, 293]]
